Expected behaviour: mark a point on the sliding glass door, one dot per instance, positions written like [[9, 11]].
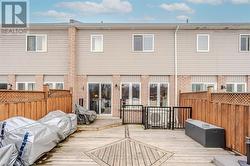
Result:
[[99, 96], [131, 93]]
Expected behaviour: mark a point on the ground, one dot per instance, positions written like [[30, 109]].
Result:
[[131, 145]]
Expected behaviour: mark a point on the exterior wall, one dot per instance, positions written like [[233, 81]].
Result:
[[15, 59], [118, 58], [248, 83], [116, 95], [221, 82], [222, 59], [39, 82]]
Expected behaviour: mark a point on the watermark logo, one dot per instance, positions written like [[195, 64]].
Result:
[[14, 16]]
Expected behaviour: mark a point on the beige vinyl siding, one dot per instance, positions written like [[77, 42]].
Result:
[[15, 59], [118, 56], [159, 78], [25, 78], [130, 78], [204, 79], [3, 78], [53, 78], [223, 57], [101, 79], [236, 79]]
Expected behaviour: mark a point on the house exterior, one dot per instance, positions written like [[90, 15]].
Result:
[[141, 63]]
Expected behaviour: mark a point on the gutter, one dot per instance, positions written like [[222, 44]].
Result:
[[176, 66]]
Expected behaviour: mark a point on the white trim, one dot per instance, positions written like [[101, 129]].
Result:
[[158, 90], [240, 43], [25, 85], [235, 85], [91, 39], [37, 51], [144, 51], [54, 84], [197, 42], [130, 91], [87, 105]]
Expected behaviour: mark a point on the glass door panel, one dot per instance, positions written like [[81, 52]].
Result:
[[125, 93], [163, 95], [135, 94], [94, 97], [105, 99]]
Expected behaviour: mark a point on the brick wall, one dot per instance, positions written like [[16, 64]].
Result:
[[39, 82]]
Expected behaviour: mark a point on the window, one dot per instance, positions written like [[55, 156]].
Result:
[[3, 86], [131, 93], [202, 43], [143, 43], [96, 43], [158, 94], [244, 43], [55, 85], [197, 87], [28, 86], [36, 43], [236, 87]]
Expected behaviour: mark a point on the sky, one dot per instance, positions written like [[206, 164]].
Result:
[[148, 11]]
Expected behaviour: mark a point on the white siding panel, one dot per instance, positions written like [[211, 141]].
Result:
[[159, 79], [25, 78], [15, 59], [3, 78], [205, 79], [53, 78], [118, 58], [236, 79], [100, 79], [131, 78]]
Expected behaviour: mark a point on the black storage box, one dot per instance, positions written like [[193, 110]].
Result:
[[206, 134]]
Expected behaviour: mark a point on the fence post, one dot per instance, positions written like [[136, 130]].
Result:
[[46, 91]]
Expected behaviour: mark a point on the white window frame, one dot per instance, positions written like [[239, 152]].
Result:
[[205, 83], [46, 42], [54, 84], [26, 85], [158, 92], [153, 46], [91, 40], [197, 43], [240, 43], [235, 86], [130, 91]]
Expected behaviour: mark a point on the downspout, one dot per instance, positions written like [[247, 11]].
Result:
[[176, 67]]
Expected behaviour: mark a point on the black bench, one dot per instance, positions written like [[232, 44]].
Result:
[[206, 134]]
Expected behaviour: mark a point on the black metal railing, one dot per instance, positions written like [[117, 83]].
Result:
[[179, 116], [155, 117], [132, 114]]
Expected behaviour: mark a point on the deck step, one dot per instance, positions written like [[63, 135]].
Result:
[[101, 124]]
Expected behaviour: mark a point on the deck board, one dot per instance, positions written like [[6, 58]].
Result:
[[140, 148]]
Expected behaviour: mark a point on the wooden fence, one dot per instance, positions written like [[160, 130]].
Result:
[[228, 110], [34, 104]]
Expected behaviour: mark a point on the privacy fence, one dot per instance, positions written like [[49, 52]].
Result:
[[33, 104], [228, 110]]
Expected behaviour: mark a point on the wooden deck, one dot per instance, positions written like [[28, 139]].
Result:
[[132, 146]]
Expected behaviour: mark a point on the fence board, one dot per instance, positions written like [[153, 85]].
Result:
[[33, 105], [228, 110]]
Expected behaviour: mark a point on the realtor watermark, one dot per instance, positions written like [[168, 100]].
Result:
[[14, 16]]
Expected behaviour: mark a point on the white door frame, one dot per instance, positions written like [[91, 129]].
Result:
[[100, 83]]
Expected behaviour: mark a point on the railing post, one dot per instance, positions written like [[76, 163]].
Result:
[[173, 119]]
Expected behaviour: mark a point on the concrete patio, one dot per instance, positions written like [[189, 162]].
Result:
[[131, 145]]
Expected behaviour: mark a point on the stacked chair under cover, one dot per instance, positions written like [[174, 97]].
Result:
[[84, 116], [8, 155], [32, 139]]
